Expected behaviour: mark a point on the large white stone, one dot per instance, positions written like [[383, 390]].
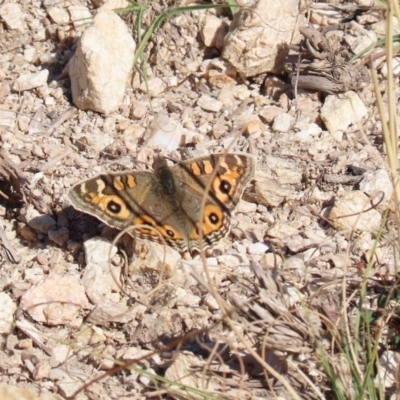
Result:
[[101, 64]]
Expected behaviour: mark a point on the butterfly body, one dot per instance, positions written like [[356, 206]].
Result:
[[190, 201]]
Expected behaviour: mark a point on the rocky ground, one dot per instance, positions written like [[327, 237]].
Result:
[[75, 324]]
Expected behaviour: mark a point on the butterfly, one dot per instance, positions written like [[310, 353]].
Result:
[[170, 199]]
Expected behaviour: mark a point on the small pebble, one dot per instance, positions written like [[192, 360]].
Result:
[[208, 103], [257, 248]]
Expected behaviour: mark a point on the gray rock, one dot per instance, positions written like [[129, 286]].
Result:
[[59, 236], [42, 223]]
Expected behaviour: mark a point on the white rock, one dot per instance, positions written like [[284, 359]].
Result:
[[184, 298], [348, 213], [196, 267], [254, 45], [12, 15], [295, 263], [7, 118], [140, 109], [90, 335], [7, 310], [341, 111], [49, 101], [282, 123], [59, 15], [310, 254], [80, 15], [101, 64], [297, 243], [316, 234], [239, 247], [59, 354], [211, 303], [396, 68], [41, 371], [246, 207], [49, 58], [213, 31], [100, 278], [155, 86], [389, 374], [361, 39], [98, 250], [10, 392], [330, 247], [108, 311], [337, 135], [67, 387], [29, 54], [340, 261], [317, 195], [208, 103], [270, 261], [166, 134], [205, 128], [231, 260], [38, 30], [377, 181], [308, 132], [145, 379], [181, 370], [269, 113], [292, 295], [276, 179], [28, 82], [227, 96], [281, 230], [257, 248], [242, 92], [158, 257], [111, 4], [189, 137], [55, 300], [380, 28], [96, 140]]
